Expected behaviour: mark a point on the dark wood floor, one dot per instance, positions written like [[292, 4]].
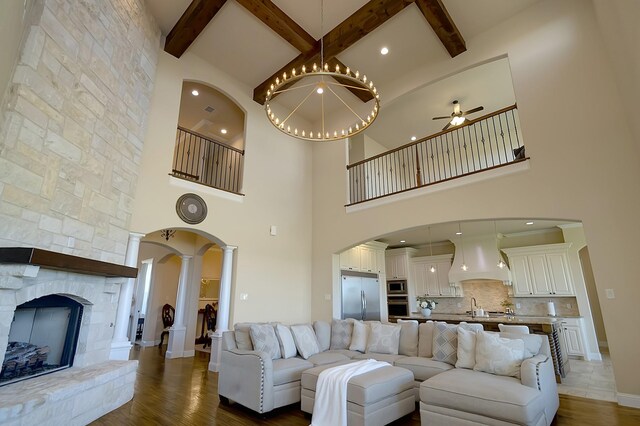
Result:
[[183, 392]]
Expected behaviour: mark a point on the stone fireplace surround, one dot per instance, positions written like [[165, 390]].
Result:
[[94, 385]]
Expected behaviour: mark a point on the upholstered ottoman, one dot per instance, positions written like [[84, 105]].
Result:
[[374, 398]]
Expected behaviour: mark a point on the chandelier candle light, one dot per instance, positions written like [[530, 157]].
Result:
[[320, 84]]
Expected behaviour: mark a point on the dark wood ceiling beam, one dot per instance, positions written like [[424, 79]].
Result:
[[442, 24], [190, 25], [359, 24], [272, 16]]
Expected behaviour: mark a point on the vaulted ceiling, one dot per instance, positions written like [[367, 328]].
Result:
[[254, 40]]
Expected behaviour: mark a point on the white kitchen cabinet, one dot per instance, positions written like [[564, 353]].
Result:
[[363, 258], [433, 284], [572, 333], [541, 270], [397, 263]]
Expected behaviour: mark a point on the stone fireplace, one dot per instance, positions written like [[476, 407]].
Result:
[[92, 385]]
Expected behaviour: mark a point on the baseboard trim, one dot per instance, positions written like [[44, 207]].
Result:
[[595, 356], [629, 400], [603, 343]]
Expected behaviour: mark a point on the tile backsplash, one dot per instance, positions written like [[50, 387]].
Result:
[[490, 294]]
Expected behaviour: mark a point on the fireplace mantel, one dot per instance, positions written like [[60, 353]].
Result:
[[64, 262]]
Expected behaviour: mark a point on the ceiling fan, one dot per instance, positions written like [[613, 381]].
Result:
[[457, 117]]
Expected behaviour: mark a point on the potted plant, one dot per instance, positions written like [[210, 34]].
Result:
[[426, 305]]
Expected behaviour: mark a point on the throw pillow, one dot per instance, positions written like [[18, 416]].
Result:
[[445, 342], [466, 348], [532, 342], [408, 337], [264, 339], [359, 336], [341, 334], [323, 333], [425, 339], [243, 339], [305, 339], [285, 338], [498, 356], [384, 338]]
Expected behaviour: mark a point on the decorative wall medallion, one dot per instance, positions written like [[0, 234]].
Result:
[[191, 208]]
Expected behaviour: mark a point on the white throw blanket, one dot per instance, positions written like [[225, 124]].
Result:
[[330, 406]]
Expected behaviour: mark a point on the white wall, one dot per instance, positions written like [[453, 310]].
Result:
[[273, 270], [586, 169]]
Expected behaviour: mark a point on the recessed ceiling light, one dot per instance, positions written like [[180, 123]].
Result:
[[223, 131], [402, 241], [384, 51], [458, 233], [413, 138], [529, 223], [194, 92]]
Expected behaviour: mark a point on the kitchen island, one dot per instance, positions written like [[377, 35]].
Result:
[[539, 325]]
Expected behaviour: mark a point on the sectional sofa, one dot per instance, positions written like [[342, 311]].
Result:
[[462, 374]]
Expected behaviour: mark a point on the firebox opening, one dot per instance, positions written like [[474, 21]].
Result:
[[43, 338]]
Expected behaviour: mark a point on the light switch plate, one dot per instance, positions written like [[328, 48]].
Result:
[[244, 296], [610, 294], [518, 305]]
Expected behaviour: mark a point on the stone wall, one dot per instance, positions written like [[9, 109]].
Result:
[[74, 122]]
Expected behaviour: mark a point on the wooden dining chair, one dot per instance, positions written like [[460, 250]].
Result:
[[168, 316]]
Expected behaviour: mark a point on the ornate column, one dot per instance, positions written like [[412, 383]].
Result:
[[224, 302], [120, 345], [178, 331]]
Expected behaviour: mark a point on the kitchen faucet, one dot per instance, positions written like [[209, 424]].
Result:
[[473, 302]]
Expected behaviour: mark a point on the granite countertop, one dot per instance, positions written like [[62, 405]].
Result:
[[524, 319]]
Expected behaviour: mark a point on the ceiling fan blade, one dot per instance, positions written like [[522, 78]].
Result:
[[442, 118], [447, 126], [471, 111]]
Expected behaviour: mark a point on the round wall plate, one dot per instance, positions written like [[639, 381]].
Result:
[[191, 208]]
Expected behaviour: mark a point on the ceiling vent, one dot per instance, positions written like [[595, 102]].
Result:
[[209, 108]]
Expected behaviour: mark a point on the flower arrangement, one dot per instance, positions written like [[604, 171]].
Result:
[[425, 303]]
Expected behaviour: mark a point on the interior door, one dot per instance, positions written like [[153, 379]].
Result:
[[351, 297], [371, 288]]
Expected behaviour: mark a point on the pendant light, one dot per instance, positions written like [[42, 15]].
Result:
[[464, 266], [501, 263], [433, 268]]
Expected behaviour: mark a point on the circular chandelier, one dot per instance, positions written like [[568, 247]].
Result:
[[314, 85], [324, 92]]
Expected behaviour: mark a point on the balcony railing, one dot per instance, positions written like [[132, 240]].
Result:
[[202, 160], [485, 143]]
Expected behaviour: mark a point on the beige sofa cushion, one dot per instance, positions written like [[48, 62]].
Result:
[[324, 358], [499, 397], [289, 370], [323, 334], [391, 359], [425, 339], [498, 355], [243, 338], [408, 337], [422, 368], [359, 336]]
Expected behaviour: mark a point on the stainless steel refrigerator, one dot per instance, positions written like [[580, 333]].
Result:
[[360, 297]]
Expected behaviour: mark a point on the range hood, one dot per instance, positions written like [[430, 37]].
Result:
[[481, 256]]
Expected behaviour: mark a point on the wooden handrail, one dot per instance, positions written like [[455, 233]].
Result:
[[207, 138], [435, 135]]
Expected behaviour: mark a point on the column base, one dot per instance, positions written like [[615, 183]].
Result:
[[216, 351], [175, 347], [120, 350]]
